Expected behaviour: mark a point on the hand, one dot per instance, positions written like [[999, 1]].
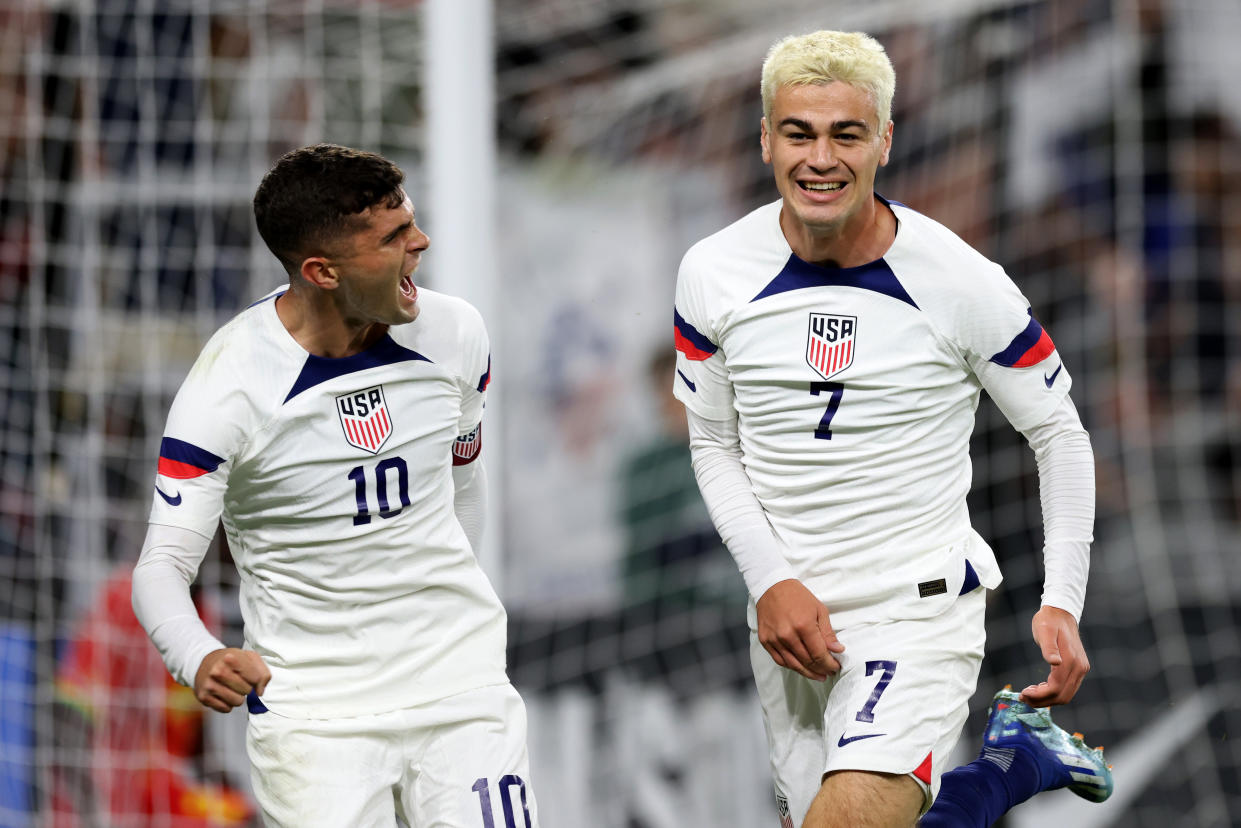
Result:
[[226, 676], [794, 628], [1056, 634]]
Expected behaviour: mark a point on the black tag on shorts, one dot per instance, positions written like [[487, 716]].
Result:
[[928, 588]]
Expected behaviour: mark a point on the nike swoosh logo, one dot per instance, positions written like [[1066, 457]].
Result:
[[1051, 380], [843, 741], [171, 501], [692, 387]]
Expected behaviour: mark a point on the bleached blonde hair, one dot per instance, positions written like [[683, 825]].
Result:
[[854, 58]]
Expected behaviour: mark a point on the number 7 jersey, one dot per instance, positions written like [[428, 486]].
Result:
[[333, 479], [854, 391]]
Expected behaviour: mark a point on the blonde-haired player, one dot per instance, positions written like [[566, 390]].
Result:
[[832, 349]]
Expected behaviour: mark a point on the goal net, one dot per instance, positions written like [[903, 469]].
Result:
[[1091, 148]]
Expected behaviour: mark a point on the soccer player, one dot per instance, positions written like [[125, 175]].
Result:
[[335, 427], [832, 348]]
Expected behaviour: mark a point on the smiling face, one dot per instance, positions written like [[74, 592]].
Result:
[[374, 266], [824, 145]]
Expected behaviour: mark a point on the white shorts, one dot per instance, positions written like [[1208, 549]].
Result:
[[458, 762], [897, 705]]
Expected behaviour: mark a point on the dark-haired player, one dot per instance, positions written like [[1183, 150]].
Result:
[[335, 427]]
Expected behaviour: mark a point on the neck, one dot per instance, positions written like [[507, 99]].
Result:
[[314, 321], [861, 239]]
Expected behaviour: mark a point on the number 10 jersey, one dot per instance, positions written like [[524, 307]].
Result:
[[333, 479]]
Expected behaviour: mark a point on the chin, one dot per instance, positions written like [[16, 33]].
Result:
[[403, 313], [821, 219]]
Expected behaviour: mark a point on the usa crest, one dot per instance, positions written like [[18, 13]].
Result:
[[364, 417], [829, 343], [782, 805]]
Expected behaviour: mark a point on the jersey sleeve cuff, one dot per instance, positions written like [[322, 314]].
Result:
[[183, 642], [695, 404], [1069, 600], [757, 556], [770, 579]]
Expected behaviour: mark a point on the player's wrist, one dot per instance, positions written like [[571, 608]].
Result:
[[772, 579], [194, 662], [1061, 603]]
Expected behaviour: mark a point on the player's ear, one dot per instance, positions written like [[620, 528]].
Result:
[[764, 140], [320, 273], [887, 144]]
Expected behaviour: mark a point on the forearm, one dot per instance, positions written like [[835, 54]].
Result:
[[162, 603], [1067, 494], [734, 509], [470, 499]]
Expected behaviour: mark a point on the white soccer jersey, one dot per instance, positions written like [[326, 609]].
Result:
[[333, 478], [854, 391]]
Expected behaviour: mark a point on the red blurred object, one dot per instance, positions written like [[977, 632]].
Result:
[[133, 733]]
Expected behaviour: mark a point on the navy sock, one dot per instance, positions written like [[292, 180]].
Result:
[[977, 794]]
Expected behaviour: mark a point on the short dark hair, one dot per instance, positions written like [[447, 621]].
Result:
[[313, 194]]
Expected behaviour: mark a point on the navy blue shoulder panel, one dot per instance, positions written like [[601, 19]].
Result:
[[321, 369], [876, 276]]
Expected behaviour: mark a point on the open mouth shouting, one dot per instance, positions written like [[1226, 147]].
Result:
[[408, 290]]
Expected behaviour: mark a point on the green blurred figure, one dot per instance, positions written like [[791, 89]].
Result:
[[682, 593]]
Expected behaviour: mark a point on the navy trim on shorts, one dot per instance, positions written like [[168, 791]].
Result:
[[254, 704], [971, 581]]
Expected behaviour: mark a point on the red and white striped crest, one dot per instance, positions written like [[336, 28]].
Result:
[[364, 417], [466, 447], [829, 343], [782, 806]]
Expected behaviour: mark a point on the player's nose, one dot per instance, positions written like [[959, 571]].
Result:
[[418, 241], [821, 156]]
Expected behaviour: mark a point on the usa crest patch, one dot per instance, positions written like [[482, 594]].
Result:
[[466, 447], [830, 343], [364, 418], [782, 805]]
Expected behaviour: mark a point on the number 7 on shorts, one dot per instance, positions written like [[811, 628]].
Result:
[[867, 713]]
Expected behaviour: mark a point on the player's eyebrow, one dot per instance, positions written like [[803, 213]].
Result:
[[836, 126], [798, 123], [839, 125]]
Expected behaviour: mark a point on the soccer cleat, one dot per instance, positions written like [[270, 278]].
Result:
[[1064, 761]]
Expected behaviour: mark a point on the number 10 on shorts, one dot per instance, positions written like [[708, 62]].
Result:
[[505, 790]]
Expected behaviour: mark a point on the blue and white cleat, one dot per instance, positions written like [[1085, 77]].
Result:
[[1064, 761]]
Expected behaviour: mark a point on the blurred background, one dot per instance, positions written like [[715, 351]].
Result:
[[1090, 146]]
